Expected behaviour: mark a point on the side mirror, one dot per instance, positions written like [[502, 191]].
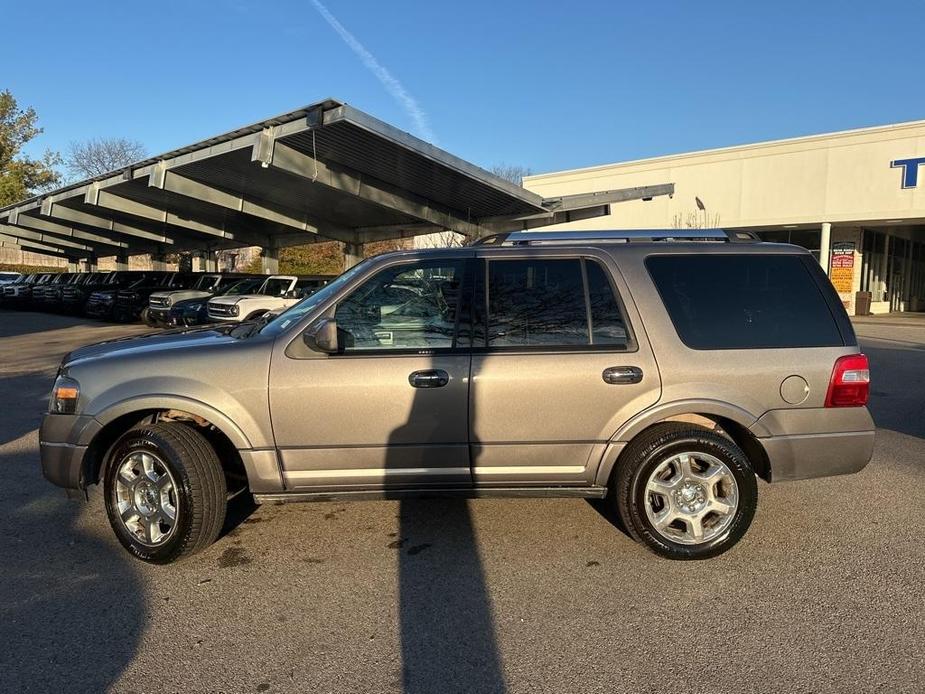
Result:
[[293, 294], [321, 336]]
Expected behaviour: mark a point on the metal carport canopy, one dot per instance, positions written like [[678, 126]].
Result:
[[324, 172]]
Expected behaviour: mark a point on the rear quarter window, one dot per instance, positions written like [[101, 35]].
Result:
[[743, 301]]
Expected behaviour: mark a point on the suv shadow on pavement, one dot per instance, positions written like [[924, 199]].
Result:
[[446, 627], [72, 608]]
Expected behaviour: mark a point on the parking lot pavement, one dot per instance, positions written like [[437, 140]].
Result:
[[824, 594]]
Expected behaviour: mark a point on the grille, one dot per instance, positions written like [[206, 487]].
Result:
[[221, 310], [158, 301], [126, 298]]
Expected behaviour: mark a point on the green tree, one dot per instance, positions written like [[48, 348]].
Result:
[[20, 175]]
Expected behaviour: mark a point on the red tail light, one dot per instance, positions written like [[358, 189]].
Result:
[[850, 384]]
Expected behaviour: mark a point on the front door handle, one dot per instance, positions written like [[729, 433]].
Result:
[[435, 378], [617, 375]]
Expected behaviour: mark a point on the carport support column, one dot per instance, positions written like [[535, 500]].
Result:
[[122, 260], [353, 254], [72, 265], [825, 243], [269, 259], [158, 261], [91, 264]]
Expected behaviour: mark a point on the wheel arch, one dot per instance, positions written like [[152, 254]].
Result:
[[256, 313], [737, 424], [224, 435]]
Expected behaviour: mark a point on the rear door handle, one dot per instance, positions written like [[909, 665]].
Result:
[[617, 375], [435, 378]]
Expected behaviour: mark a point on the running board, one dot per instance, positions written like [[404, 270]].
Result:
[[460, 493]]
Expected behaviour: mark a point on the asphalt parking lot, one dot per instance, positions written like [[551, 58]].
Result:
[[824, 594]]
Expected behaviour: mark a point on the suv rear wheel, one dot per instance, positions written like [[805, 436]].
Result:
[[165, 492], [684, 491]]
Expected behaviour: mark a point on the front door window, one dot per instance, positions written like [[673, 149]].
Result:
[[405, 307]]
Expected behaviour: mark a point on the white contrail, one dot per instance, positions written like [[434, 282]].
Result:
[[391, 84]]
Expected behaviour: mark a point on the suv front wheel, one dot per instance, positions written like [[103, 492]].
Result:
[[684, 491], [165, 492]]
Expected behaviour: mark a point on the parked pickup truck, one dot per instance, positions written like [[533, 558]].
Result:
[[207, 286], [277, 293]]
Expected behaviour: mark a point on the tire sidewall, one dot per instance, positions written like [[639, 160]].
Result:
[[745, 481], [149, 442]]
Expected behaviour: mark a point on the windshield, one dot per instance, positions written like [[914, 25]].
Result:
[[243, 287], [206, 282], [295, 314], [276, 286]]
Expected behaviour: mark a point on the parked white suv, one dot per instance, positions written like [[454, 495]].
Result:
[[277, 293]]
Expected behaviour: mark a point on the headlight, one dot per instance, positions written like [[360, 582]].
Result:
[[235, 310], [64, 396]]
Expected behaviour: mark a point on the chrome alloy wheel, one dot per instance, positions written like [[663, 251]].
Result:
[[145, 498], [691, 498]]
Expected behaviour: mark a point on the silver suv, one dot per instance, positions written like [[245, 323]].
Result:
[[661, 371]]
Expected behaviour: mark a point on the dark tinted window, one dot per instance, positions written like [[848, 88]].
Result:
[[536, 303], [743, 301], [607, 325]]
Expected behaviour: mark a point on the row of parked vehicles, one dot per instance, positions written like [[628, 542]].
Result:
[[159, 298]]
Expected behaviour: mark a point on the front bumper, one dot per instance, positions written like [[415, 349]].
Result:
[[161, 315], [63, 443], [819, 442], [99, 310]]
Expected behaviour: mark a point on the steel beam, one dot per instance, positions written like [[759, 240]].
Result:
[[12, 245], [565, 203], [36, 246], [165, 179], [107, 200], [39, 224], [56, 211], [290, 160], [20, 232]]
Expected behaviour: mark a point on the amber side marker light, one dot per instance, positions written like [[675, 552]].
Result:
[[64, 396]]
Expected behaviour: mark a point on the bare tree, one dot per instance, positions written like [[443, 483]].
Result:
[[510, 172], [102, 155]]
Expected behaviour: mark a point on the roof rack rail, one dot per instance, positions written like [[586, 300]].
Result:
[[524, 238]]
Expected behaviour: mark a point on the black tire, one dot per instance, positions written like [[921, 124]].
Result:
[[653, 447], [144, 318], [200, 493]]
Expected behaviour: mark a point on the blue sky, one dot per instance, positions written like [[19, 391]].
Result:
[[547, 85]]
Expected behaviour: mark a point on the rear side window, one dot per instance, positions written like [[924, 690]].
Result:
[[549, 303], [743, 301]]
